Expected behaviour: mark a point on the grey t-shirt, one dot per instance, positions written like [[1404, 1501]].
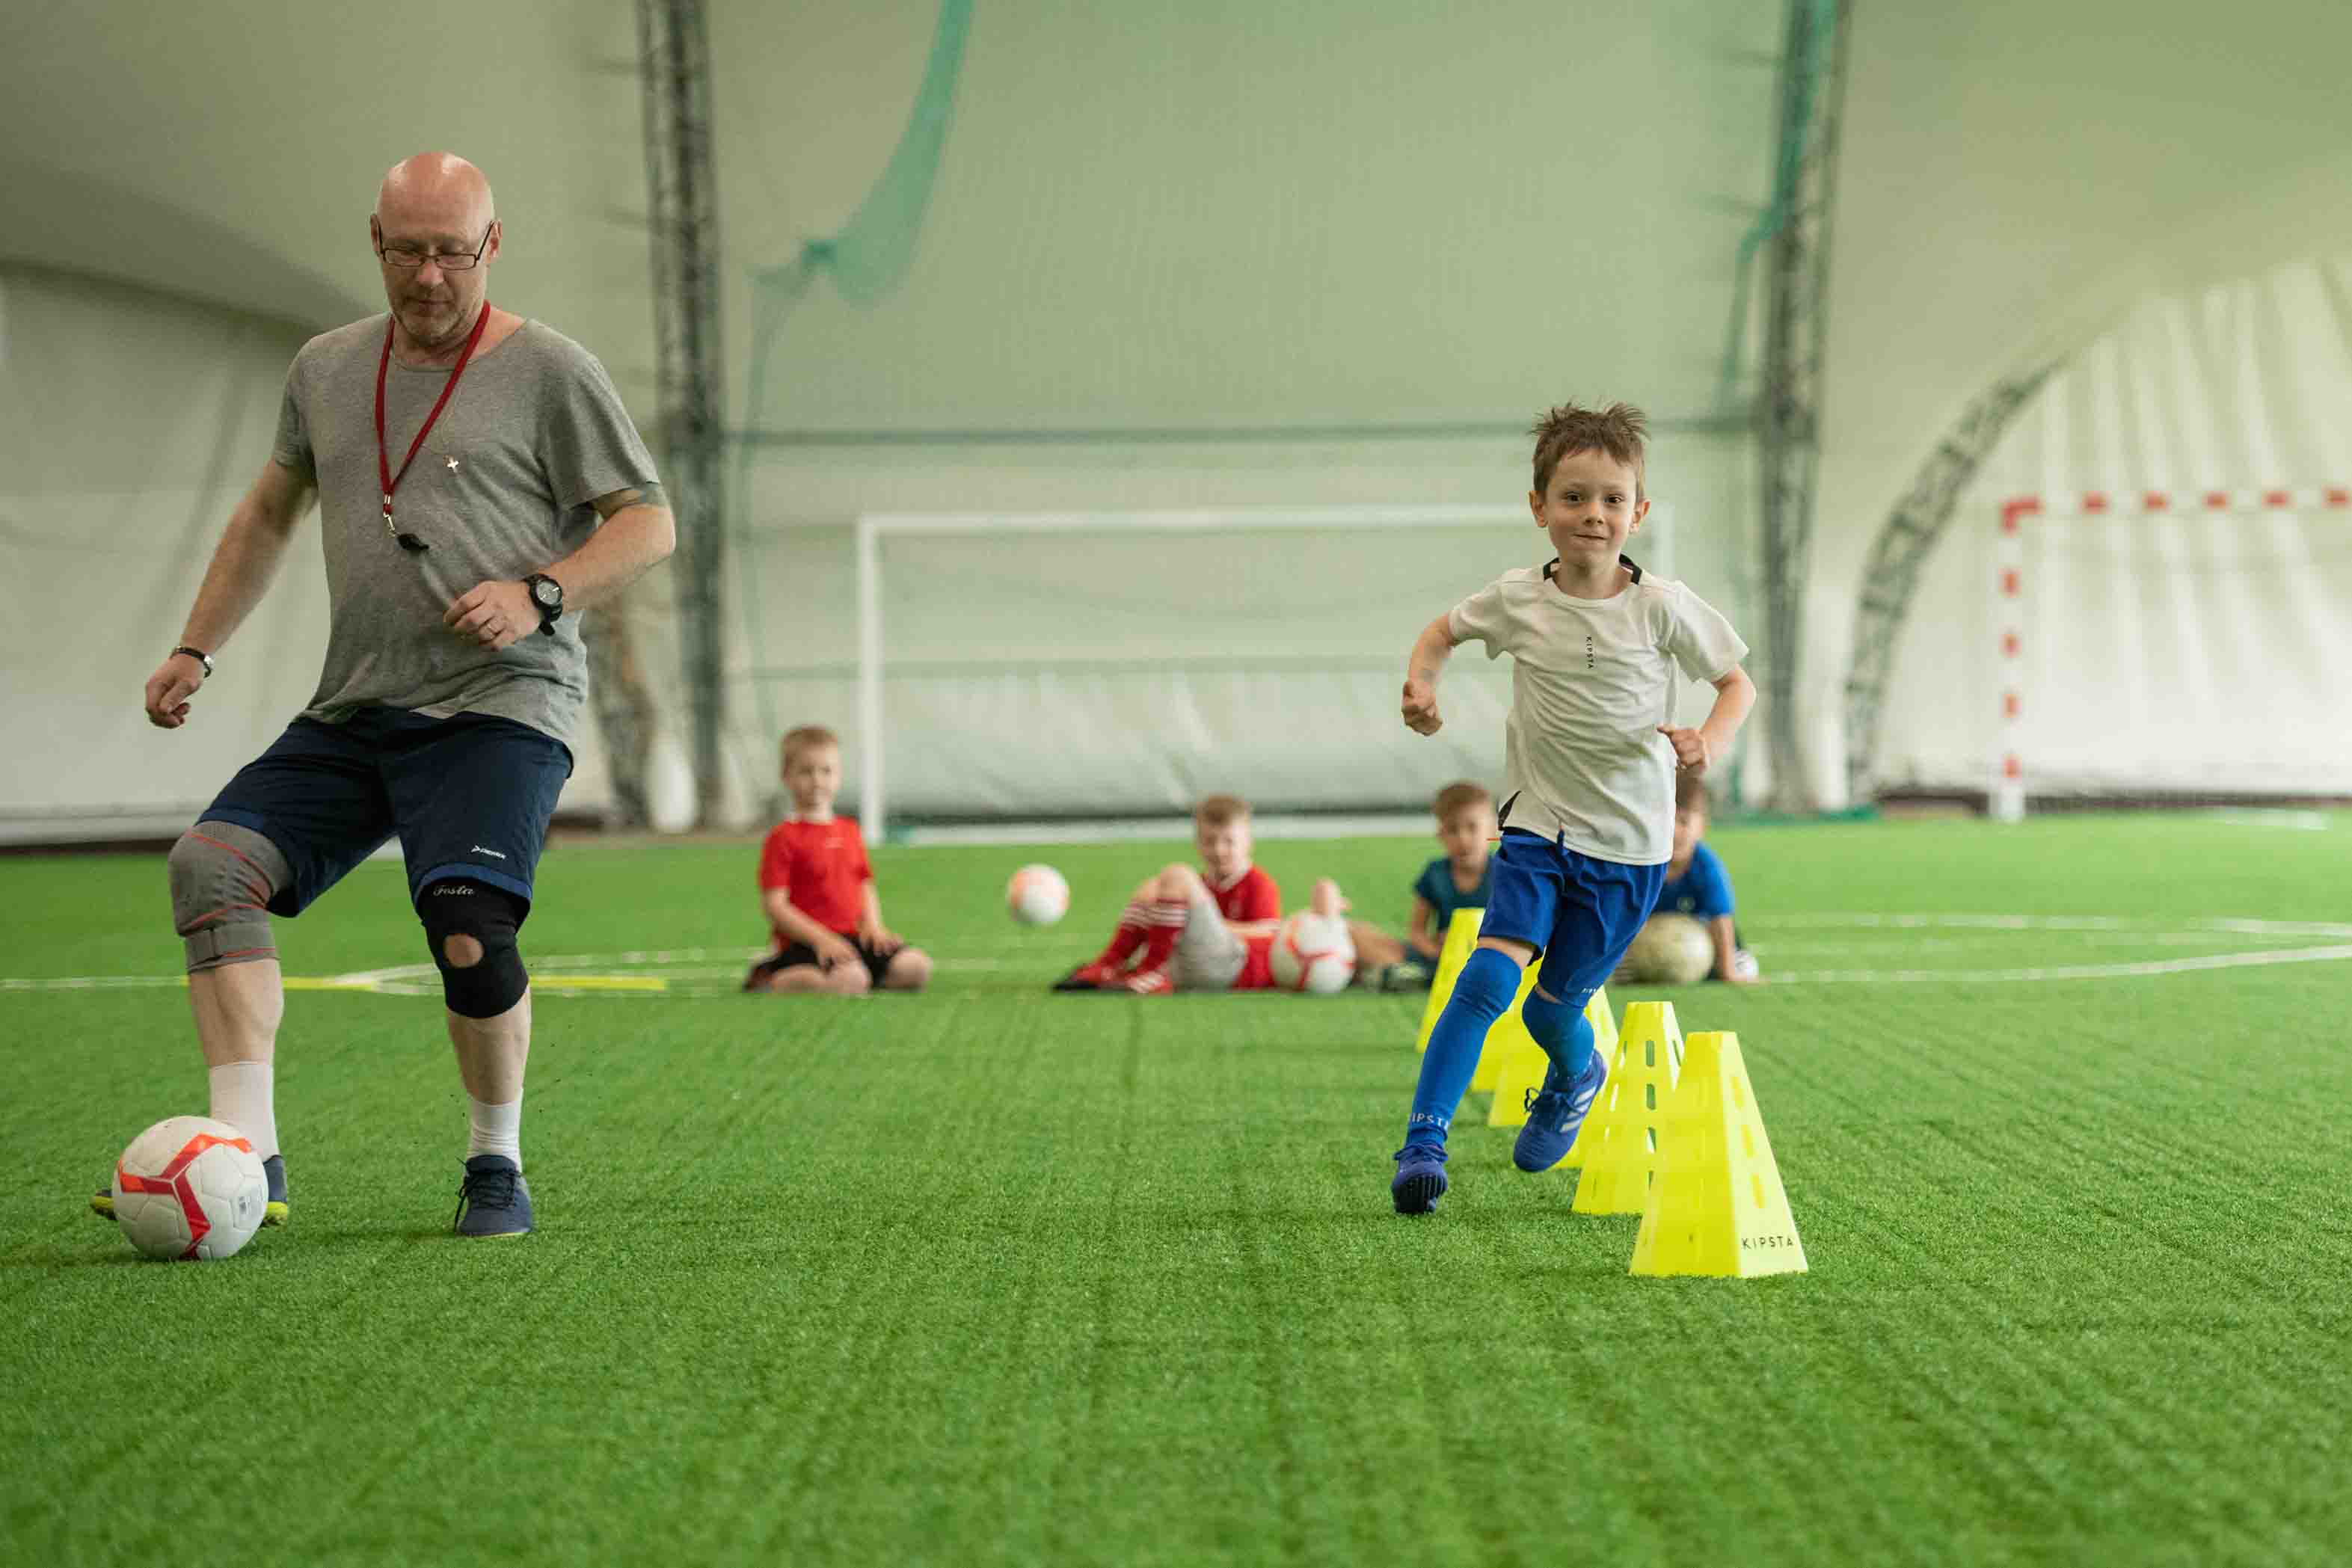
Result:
[[500, 489]]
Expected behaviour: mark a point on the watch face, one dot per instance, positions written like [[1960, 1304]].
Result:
[[547, 593]]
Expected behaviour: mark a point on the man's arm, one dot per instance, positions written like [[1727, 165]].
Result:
[[635, 535], [244, 564], [1430, 652]]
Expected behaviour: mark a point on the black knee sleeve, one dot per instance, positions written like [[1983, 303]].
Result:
[[490, 915], [223, 878]]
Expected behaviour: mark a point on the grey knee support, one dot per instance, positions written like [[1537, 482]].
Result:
[[490, 915], [223, 878]]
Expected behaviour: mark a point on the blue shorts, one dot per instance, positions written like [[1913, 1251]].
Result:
[[469, 796], [1579, 913]]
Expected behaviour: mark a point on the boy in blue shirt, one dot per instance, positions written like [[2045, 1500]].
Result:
[[1697, 885], [1454, 881], [1590, 756]]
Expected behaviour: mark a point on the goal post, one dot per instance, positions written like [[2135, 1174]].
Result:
[[2193, 651], [1007, 535]]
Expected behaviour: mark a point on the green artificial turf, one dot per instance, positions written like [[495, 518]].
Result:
[[991, 1276]]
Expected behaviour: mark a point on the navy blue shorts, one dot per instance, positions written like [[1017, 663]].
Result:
[[1579, 913], [469, 796]]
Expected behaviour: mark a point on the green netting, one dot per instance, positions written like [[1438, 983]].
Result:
[[866, 260]]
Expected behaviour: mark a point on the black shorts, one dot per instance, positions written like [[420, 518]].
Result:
[[469, 796], [800, 953]]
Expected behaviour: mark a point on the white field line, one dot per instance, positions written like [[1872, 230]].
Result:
[[714, 964], [2069, 971]]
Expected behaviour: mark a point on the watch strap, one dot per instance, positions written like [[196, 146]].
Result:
[[198, 654]]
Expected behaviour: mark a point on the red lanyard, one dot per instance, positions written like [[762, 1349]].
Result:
[[383, 464]]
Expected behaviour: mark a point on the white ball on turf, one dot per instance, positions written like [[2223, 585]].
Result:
[[1314, 952], [1671, 950], [1037, 895], [189, 1187]]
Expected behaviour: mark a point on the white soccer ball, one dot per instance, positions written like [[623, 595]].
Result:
[[189, 1187], [1314, 952], [1037, 895], [1671, 950]]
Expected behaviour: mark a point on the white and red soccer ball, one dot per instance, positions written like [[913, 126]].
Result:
[[1314, 952], [190, 1188], [1037, 895]]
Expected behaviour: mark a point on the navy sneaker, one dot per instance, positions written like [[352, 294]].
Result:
[[493, 1199], [1419, 1178], [1556, 1115], [274, 1212]]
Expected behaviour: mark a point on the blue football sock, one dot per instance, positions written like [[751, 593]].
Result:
[[1484, 989], [1565, 1034]]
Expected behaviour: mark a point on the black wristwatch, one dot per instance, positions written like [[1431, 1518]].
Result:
[[547, 596], [200, 656]]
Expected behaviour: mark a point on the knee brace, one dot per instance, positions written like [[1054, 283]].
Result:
[[490, 915], [1564, 1033], [223, 878]]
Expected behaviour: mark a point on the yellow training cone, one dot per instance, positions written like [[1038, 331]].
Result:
[[1522, 1073], [1508, 1038], [1620, 1140], [1716, 1206]]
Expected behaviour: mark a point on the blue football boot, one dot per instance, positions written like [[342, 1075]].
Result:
[[1419, 1178], [1556, 1115]]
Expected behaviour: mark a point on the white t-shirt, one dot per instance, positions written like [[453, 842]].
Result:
[[1591, 679]]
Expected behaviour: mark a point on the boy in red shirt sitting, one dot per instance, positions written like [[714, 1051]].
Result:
[[1206, 930], [818, 890]]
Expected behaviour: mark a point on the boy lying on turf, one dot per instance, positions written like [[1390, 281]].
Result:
[[1186, 930]]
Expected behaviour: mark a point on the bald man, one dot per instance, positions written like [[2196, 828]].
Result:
[[478, 486]]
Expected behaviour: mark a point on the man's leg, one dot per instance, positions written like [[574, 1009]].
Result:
[[487, 993], [223, 877]]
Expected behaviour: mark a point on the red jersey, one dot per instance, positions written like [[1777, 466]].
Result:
[[1249, 896], [822, 868], [1252, 896]]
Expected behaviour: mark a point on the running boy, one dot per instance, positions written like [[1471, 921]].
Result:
[[1454, 881], [818, 890], [1697, 885], [1185, 930], [1588, 759]]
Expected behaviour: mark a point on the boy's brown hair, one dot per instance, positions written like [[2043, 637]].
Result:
[[1216, 811], [1621, 430], [1456, 799], [807, 737], [1690, 790]]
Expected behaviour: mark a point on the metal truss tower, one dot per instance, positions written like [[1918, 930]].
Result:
[[674, 61], [1902, 547], [1787, 403]]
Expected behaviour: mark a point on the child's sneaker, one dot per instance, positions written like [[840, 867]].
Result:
[[1420, 1179], [1408, 975], [1555, 1115], [273, 1212], [1150, 983], [493, 1199]]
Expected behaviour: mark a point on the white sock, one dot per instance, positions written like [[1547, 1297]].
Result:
[[241, 1098], [496, 1130]]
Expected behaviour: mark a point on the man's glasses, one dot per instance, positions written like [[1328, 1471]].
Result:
[[408, 258]]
